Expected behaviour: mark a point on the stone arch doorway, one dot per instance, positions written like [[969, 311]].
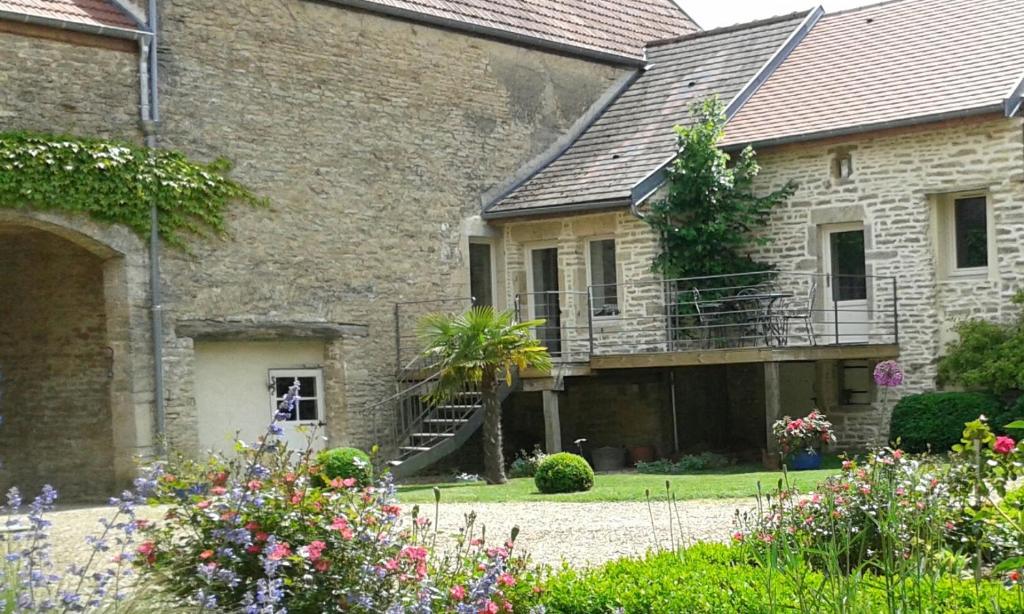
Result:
[[65, 356]]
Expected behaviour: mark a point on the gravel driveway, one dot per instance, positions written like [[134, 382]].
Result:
[[580, 533]]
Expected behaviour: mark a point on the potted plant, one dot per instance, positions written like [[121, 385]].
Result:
[[800, 440]]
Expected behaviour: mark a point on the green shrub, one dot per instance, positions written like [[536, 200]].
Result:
[[707, 578], [345, 463], [564, 472], [1013, 414], [689, 463], [987, 356], [936, 419]]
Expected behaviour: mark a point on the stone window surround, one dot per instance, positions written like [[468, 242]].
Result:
[[822, 218], [587, 241], [491, 243], [944, 236]]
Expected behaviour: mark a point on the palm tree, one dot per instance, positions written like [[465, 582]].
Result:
[[479, 347]]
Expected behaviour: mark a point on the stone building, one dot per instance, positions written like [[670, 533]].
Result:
[[907, 217], [418, 153], [372, 128]]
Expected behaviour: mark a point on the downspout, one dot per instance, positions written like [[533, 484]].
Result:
[[150, 109]]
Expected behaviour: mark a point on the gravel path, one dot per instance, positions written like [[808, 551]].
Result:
[[581, 533]]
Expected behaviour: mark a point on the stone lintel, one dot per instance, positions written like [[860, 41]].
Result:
[[254, 330]]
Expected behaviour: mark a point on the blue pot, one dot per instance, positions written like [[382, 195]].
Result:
[[804, 460]]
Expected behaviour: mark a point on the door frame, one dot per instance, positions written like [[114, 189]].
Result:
[[829, 304], [531, 290]]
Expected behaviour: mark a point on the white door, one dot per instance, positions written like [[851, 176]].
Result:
[[847, 317], [305, 424]]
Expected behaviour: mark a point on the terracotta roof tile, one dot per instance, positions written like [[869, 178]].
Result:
[[634, 136], [102, 13], [889, 63], [620, 27]]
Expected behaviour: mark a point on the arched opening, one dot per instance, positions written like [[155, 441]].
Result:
[[60, 335]]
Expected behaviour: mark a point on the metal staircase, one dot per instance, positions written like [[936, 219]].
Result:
[[425, 433]]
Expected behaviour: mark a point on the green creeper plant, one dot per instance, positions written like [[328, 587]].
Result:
[[711, 216], [482, 346], [116, 183]]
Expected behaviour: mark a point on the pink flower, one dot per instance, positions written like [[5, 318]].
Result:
[[415, 553], [218, 490], [737, 536], [205, 554], [457, 592], [255, 485], [391, 564], [279, 552], [341, 526], [507, 579], [315, 549], [203, 505], [148, 551], [489, 608], [889, 374], [321, 565], [1004, 445]]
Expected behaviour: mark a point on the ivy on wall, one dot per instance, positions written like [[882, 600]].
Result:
[[117, 183]]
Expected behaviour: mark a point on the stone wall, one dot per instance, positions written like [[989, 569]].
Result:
[[56, 365], [373, 138]]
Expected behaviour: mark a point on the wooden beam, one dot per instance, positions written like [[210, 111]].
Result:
[[772, 402], [745, 356], [72, 37], [230, 330], [552, 422]]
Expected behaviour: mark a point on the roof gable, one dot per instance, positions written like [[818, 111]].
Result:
[[896, 63], [94, 14], [615, 28], [634, 137]]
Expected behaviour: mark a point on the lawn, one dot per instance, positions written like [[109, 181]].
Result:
[[733, 483]]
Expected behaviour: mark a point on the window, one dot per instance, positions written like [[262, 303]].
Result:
[[842, 166], [970, 232], [311, 393], [604, 277], [481, 274]]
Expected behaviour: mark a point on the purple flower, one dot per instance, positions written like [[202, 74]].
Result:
[[889, 374]]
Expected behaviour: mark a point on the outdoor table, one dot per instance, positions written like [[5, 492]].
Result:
[[764, 318]]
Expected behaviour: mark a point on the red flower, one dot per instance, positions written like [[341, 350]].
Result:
[[1004, 445], [321, 565], [148, 551], [205, 554], [489, 608], [1013, 576], [261, 536]]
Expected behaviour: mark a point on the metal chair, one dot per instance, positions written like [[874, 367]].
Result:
[[708, 315], [801, 309]]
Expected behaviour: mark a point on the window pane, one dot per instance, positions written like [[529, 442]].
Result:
[[480, 283], [848, 267], [971, 233], [604, 277], [307, 409]]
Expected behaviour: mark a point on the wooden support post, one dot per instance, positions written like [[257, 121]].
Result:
[[552, 424], [826, 385], [772, 409]]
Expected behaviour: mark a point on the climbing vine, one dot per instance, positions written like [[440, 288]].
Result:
[[117, 183], [710, 217]]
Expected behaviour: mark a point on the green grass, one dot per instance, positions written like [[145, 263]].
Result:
[[735, 482]]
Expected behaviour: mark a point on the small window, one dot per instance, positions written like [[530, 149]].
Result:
[[970, 234], [311, 393], [604, 277], [481, 274], [842, 166]]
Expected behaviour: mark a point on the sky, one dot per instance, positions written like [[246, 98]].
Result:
[[717, 13]]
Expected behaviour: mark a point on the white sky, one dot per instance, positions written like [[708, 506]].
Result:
[[716, 13]]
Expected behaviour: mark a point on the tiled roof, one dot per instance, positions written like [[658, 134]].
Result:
[[99, 13], [635, 134], [888, 64], [617, 27]]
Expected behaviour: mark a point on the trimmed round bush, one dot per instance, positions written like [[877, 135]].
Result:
[[564, 472], [345, 463], [936, 419]]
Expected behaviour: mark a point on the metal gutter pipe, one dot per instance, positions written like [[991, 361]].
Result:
[[150, 121]]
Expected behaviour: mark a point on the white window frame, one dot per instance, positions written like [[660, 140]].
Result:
[[316, 373], [948, 249], [590, 273], [494, 267]]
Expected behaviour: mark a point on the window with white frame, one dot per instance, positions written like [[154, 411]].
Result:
[[965, 234], [603, 277], [311, 393]]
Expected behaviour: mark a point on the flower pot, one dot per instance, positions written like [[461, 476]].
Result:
[[609, 459], [641, 454], [804, 460]]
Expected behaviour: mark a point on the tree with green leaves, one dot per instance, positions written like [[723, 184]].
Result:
[[483, 347], [711, 216], [987, 355]]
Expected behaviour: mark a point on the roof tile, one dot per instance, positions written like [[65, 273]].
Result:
[[100, 13], [620, 27], [635, 134], [888, 63]]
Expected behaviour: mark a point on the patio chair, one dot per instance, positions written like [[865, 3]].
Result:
[[709, 314], [802, 309], [756, 319]]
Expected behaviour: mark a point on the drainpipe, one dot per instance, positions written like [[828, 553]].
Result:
[[150, 109]]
